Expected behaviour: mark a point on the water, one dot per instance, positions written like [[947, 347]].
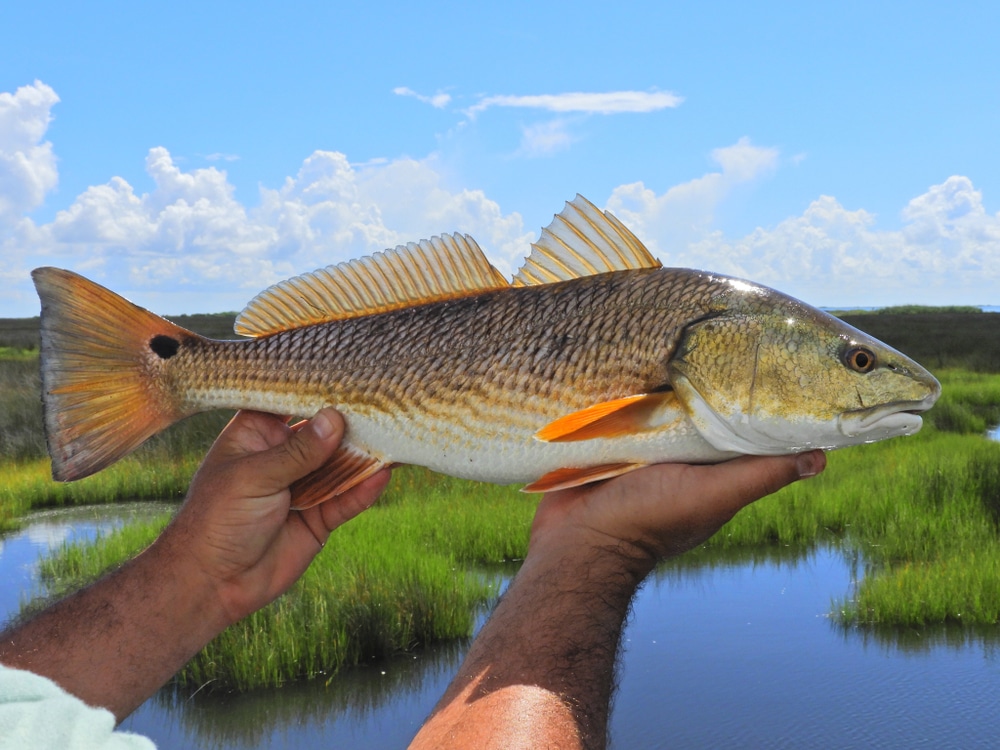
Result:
[[735, 654], [45, 530], [746, 656]]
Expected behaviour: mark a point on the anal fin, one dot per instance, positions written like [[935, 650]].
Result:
[[347, 468], [563, 479]]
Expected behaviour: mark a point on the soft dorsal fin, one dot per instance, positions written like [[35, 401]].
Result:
[[444, 267], [582, 241]]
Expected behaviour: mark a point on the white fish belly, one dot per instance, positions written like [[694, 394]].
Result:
[[479, 453], [483, 447]]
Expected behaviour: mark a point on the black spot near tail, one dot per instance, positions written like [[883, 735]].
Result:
[[164, 347]]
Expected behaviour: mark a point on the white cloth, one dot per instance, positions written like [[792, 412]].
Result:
[[36, 713]]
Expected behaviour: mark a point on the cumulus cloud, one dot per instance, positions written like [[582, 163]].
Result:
[[27, 163], [601, 103], [187, 212], [946, 252], [190, 231], [685, 212], [333, 210]]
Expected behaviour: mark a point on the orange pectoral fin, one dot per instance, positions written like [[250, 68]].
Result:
[[347, 468], [621, 416], [563, 479]]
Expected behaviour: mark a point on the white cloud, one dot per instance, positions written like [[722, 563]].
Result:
[[545, 138], [190, 232], [186, 213], [601, 103], [27, 164], [947, 251], [332, 210], [685, 212], [439, 100]]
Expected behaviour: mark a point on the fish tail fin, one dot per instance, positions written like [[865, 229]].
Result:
[[102, 362]]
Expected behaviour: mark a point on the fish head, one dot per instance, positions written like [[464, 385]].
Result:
[[763, 373]]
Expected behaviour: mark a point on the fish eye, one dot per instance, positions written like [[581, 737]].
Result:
[[860, 359]]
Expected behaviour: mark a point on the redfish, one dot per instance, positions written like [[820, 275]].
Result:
[[592, 362]]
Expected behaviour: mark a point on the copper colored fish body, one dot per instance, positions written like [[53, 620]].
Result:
[[594, 362]]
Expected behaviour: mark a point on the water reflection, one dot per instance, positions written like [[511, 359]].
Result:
[[353, 698], [747, 655], [694, 563], [923, 640], [45, 530], [722, 649]]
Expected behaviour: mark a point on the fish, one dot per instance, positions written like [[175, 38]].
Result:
[[592, 361]]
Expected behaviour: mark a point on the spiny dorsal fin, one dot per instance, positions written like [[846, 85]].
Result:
[[440, 268], [582, 241]]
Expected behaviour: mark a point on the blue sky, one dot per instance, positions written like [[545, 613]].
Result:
[[189, 154]]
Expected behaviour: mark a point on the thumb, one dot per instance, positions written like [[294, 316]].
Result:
[[309, 445]]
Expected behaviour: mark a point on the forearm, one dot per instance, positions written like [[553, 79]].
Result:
[[545, 680], [114, 643], [541, 672]]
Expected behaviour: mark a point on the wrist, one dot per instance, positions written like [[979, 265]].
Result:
[[591, 555], [188, 594]]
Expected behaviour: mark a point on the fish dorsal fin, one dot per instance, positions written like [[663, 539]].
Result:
[[582, 241], [444, 267]]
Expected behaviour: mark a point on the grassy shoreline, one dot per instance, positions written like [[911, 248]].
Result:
[[921, 515], [413, 570]]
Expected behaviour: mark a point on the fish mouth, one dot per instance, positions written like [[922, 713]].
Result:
[[888, 420]]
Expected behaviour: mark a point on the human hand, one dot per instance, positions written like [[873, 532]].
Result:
[[541, 671], [666, 509], [236, 529]]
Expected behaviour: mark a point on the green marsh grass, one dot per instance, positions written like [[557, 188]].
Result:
[[921, 514], [412, 570], [21, 435], [159, 470]]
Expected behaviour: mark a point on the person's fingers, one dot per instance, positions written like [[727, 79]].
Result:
[[343, 508], [666, 509], [323, 518], [307, 447], [711, 495], [729, 486]]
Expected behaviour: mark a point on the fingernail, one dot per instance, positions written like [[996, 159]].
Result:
[[810, 464], [322, 425]]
